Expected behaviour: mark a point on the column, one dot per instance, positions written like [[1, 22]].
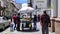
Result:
[[54, 8], [57, 22], [54, 13]]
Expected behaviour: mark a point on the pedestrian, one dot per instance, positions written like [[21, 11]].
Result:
[[15, 20], [35, 21], [12, 25], [18, 22], [45, 20]]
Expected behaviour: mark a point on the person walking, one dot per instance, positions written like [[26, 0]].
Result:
[[15, 20], [12, 25], [35, 21], [18, 22], [45, 20]]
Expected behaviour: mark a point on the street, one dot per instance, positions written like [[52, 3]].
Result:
[[7, 31], [24, 11]]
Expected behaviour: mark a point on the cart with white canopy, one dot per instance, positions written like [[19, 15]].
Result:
[[26, 15]]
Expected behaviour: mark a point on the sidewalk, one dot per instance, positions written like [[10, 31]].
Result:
[[7, 31]]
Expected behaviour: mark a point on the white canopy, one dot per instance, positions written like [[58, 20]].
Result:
[[26, 9]]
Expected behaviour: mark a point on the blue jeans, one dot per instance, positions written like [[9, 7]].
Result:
[[35, 25]]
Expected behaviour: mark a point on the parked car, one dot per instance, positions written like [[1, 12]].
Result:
[[4, 23]]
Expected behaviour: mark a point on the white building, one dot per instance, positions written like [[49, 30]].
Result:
[[39, 4], [56, 13], [56, 8]]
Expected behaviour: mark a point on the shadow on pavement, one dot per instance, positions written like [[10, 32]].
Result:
[[30, 31]]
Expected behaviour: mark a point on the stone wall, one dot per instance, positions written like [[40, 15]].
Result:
[[52, 24], [55, 25]]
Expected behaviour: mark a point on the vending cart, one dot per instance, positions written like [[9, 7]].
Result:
[[26, 15]]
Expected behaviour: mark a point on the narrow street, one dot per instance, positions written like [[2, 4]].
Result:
[[28, 11], [7, 31]]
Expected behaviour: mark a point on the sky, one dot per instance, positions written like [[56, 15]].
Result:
[[21, 1]]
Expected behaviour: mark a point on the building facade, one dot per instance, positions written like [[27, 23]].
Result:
[[2, 7], [39, 5], [16, 7], [8, 7]]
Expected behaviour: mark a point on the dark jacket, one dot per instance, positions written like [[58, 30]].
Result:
[[18, 19], [38, 17], [45, 19], [35, 18]]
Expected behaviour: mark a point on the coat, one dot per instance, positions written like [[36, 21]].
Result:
[[35, 18], [45, 20], [18, 20]]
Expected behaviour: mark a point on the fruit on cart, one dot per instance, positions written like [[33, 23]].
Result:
[[26, 19], [30, 25]]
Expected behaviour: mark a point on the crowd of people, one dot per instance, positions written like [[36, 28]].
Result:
[[44, 21]]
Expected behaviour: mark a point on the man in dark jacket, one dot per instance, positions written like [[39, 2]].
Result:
[[45, 20]]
